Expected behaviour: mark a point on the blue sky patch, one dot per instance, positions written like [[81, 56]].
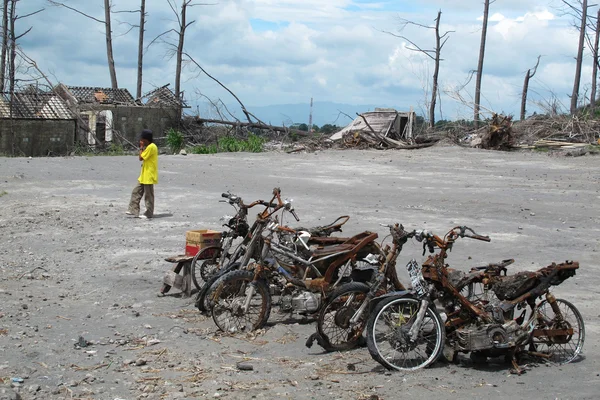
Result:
[[260, 25]]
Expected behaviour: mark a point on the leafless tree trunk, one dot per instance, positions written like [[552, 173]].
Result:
[[476, 107], [5, 12], [579, 59], [181, 39], [435, 55], [12, 47], [528, 76], [109, 48], [141, 49], [595, 65], [436, 70]]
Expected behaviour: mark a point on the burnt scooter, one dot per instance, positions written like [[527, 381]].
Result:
[[406, 331], [297, 269]]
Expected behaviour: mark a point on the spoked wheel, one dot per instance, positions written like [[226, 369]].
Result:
[[205, 264], [389, 340], [232, 293], [334, 319], [559, 338]]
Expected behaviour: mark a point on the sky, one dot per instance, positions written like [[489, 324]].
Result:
[[289, 51]]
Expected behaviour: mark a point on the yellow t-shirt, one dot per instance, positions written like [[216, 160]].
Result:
[[149, 174]]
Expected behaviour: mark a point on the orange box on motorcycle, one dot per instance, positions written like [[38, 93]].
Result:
[[200, 239]]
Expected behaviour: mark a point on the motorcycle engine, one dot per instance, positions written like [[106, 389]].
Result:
[[491, 336], [300, 302]]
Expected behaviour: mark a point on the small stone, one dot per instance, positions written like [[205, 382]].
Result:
[[139, 362], [34, 388], [314, 377], [25, 306], [127, 362], [73, 383], [244, 366], [217, 395]]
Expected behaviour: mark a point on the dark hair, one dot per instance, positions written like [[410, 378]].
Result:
[[147, 134]]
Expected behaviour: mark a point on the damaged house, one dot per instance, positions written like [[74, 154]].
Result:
[[112, 115], [36, 123], [384, 127]]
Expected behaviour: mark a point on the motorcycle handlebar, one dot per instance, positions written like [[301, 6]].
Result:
[[479, 237], [226, 195], [294, 214]]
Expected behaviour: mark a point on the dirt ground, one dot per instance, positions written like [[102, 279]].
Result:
[[73, 265]]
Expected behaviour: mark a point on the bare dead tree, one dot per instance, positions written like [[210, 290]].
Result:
[[109, 47], [5, 12], [579, 10], [595, 63], [141, 49], [435, 55], [13, 37], [486, 10], [108, 34], [528, 76]]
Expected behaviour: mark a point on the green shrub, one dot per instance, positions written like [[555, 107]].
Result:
[[204, 149], [175, 140]]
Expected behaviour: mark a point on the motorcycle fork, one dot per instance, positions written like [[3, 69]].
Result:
[[413, 333], [552, 301]]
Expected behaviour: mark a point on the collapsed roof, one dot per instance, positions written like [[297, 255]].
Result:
[[163, 97], [34, 105], [87, 94], [383, 121]]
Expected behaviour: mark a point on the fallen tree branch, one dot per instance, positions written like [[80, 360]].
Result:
[[257, 125]]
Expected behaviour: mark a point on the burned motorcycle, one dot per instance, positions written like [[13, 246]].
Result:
[[298, 270], [406, 331]]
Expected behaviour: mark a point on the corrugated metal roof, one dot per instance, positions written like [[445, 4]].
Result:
[[34, 106], [87, 94], [162, 96]]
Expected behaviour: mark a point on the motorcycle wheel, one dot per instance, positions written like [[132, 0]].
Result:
[[204, 297], [203, 267], [564, 348], [334, 319], [229, 296], [387, 335]]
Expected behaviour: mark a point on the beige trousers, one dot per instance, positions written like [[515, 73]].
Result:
[[145, 191]]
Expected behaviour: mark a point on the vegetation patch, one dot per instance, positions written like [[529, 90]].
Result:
[[231, 144]]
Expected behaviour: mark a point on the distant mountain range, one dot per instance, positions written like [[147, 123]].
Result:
[[324, 112]]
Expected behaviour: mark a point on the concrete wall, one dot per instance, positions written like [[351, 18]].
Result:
[[32, 137], [130, 121]]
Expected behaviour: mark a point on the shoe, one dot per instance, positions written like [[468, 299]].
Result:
[[143, 216], [128, 213]]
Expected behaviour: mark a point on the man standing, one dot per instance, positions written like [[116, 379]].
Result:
[[148, 177]]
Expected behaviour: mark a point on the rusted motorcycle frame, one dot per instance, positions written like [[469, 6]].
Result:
[[343, 317], [485, 329], [301, 273]]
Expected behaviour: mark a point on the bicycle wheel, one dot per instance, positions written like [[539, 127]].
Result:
[[334, 319], [562, 349], [230, 295], [388, 336], [204, 261]]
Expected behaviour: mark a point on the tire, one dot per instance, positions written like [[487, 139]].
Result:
[[203, 297], [229, 297], [387, 340], [333, 324], [561, 349], [203, 268]]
